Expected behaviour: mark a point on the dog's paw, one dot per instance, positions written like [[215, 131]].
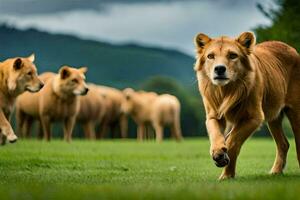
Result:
[[221, 157], [276, 172]]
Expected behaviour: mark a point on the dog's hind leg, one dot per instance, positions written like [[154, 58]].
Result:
[[68, 128], [89, 130], [123, 126], [28, 121], [282, 144], [140, 131], [293, 115], [158, 132], [20, 118], [176, 131], [40, 133], [46, 123]]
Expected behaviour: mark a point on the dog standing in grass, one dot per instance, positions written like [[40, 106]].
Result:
[[242, 85], [57, 101], [114, 120], [17, 75], [92, 111], [158, 110]]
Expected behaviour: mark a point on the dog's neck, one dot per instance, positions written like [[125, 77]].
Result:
[[57, 91]]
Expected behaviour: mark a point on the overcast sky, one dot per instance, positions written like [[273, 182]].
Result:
[[166, 23]]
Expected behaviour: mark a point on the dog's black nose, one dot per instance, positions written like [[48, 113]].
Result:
[[220, 70], [41, 85]]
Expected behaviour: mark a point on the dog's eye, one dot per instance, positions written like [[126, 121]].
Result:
[[75, 80], [29, 73], [232, 56], [211, 56]]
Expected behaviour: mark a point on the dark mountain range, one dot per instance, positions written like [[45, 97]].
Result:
[[115, 65]]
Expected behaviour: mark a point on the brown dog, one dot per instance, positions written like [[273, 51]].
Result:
[[57, 101], [242, 85], [114, 118], [24, 105], [92, 110], [17, 76], [158, 110]]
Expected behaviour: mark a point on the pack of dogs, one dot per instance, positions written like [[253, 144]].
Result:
[[242, 85], [66, 97]]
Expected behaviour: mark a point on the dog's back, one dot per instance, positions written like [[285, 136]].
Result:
[[278, 64]]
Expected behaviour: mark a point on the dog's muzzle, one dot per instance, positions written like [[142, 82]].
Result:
[[220, 72]]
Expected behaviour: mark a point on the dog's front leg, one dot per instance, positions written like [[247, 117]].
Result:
[[68, 128], [46, 124], [237, 136], [140, 131], [6, 128], [218, 149]]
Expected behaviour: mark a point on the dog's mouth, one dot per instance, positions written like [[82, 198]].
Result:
[[221, 78], [81, 93], [31, 90]]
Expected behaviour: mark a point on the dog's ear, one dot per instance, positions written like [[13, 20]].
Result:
[[64, 72], [247, 40], [18, 64], [83, 69], [31, 58], [201, 40]]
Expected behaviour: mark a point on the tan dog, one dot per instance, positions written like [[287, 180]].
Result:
[[114, 118], [242, 85], [92, 110], [17, 76], [158, 110], [25, 105], [57, 101]]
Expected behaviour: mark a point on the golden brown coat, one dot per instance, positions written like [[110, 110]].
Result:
[[17, 75], [92, 110], [157, 110], [114, 119], [57, 101], [243, 84]]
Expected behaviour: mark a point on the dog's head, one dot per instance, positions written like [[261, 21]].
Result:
[[23, 75], [72, 81], [224, 60]]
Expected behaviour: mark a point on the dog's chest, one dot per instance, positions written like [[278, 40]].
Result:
[[63, 109], [236, 113]]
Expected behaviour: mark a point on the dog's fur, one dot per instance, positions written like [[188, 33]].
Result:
[[17, 75], [114, 119], [158, 110], [57, 101], [261, 83], [92, 110]]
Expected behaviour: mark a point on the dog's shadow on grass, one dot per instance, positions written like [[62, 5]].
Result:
[[269, 177]]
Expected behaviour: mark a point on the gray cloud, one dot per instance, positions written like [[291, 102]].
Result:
[[159, 23], [23, 7], [20, 7]]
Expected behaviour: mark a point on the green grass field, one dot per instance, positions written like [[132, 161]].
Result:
[[130, 170]]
